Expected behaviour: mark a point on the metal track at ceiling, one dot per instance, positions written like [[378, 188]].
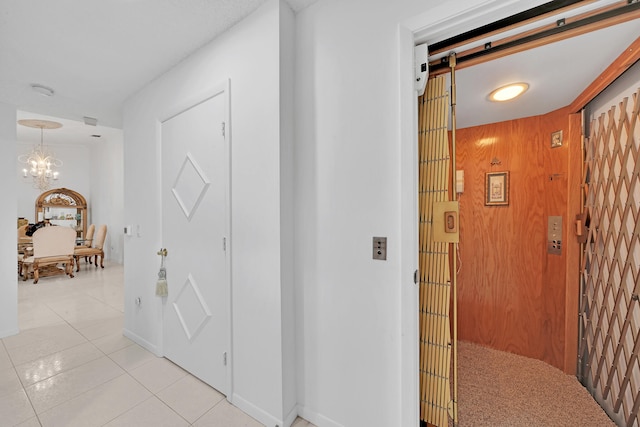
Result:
[[483, 43]]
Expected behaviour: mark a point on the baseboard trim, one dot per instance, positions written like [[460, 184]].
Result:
[[255, 412], [9, 332], [141, 341], [291, 417], [315, 418]]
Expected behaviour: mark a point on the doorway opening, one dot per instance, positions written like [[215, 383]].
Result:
[[563, 353]]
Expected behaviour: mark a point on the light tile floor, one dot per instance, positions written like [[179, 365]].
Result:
[[70, 365]]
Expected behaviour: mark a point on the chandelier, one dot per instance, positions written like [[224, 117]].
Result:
[[41, 163]]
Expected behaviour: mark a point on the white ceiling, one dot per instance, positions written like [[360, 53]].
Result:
[[72, 132], [97, 53]]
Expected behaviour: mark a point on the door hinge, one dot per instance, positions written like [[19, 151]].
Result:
[[224, 130], [224, 244], [416, 278], [224, 358]]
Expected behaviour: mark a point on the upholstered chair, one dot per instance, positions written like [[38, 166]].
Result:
[[88, 239], [23, 243], [95, 251], [51, 246]]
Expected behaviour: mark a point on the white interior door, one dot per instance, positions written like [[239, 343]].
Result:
[[195, 231]]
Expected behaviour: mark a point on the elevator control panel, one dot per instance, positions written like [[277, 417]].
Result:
[[554, 235]]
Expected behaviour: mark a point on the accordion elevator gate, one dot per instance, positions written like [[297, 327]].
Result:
[[609, 347], [437, 232]]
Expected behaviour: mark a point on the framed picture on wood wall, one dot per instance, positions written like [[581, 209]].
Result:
[[496, 188]]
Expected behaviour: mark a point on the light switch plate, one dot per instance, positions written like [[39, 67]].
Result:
[[380, 248]]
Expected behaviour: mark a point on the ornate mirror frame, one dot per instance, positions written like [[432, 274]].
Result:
[[63, 199]]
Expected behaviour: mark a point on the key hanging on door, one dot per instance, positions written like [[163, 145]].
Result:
[[162, 289]]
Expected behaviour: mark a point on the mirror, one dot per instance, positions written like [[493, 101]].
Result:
[[63, 207]]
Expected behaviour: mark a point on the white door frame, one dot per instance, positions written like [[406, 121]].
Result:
[[173, 110], [418, 29]]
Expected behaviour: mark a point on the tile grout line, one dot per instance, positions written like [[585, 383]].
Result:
[[24, 390], [64, 322], [90, 294]]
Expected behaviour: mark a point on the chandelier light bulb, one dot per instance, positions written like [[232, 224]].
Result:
[[43, 163]]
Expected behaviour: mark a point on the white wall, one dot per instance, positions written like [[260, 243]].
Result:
[[287, 178], [355, 179], [8, 217], [348, 191], [74, 175], [107, 192], [248, 55]]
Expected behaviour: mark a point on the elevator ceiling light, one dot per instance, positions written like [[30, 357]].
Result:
[[508, 92]]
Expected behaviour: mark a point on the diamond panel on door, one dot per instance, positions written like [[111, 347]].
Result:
[[191, 308], [190, 186]]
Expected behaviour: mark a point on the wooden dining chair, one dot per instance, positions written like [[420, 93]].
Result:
[[88, 239], [95, 251], [23, 243]]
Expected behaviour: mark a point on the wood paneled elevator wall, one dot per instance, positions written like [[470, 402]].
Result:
[[512, 294]]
